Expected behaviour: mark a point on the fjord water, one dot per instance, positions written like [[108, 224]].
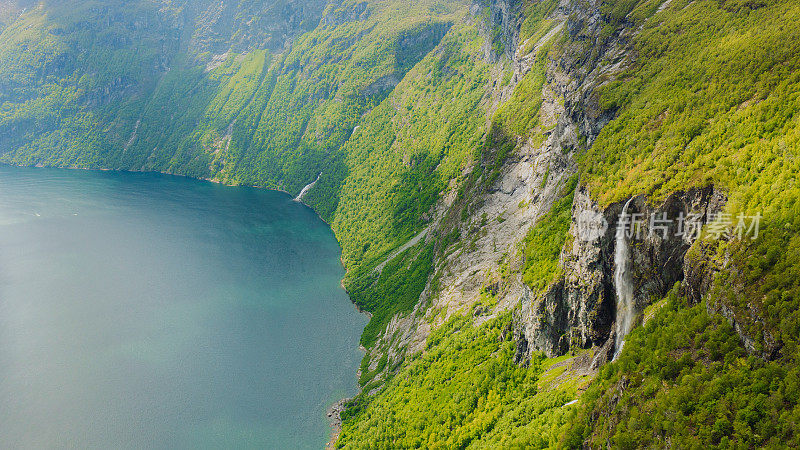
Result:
[[150, 311]]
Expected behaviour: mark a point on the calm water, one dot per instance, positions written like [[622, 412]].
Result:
[[151, 311]]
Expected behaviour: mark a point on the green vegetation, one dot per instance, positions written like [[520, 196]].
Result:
[[542, 245], [313, 98], [386, 108], [536, 23], [110, 84], [386, 101], [520, 115], [54, 95], [404, 153], [762, 277], [408, 148], [711, 99], [688, 116], [464, 391], [395, 289], [684, 380], [685, 117]]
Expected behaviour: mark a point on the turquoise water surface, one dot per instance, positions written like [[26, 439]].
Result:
[[150, 311]]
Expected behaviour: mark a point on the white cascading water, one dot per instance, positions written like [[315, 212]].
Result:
[[307, 188], [623, 283]]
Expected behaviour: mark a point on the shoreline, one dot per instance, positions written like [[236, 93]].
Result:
[[335, 410], [209, 180], [335, 418]]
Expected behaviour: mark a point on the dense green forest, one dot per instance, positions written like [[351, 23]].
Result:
[[409, 115], [684, 380], [726, 117], [466, 391]]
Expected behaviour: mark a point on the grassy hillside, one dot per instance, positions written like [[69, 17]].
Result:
[[685, 380], [123, 84], [465, 391], [398, 161], [712, 98], [63, 68]]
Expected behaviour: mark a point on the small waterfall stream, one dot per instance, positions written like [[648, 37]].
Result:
[[622, 282], [307, 188]]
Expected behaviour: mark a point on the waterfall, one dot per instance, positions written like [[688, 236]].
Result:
[[306, 189], [622, 282]]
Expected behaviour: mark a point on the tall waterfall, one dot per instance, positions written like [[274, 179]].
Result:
[[622, 282]]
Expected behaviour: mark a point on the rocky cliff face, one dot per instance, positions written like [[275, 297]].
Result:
[[493, 220], [579, 310], [700, 267], [504, 21]]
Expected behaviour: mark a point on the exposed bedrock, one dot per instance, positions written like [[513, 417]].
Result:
[[579, 310]]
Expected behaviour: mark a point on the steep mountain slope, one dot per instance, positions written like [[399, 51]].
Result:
[[79, 78], [568, 302], [475, 161]]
